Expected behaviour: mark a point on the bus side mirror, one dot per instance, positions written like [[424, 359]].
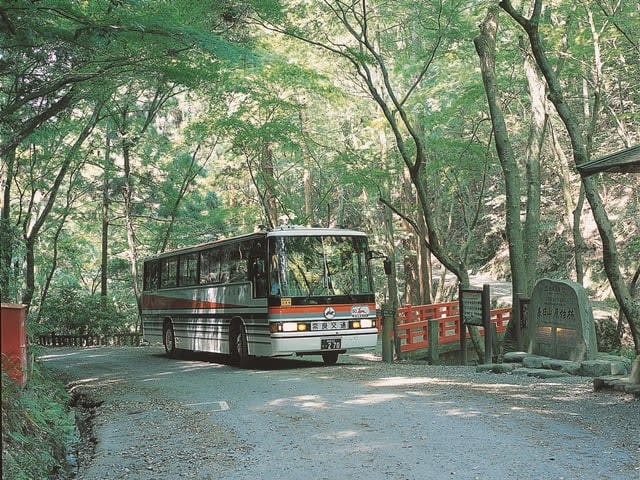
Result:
[[372, 254], [387, 266]]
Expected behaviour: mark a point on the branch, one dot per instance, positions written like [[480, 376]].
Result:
[[30, 125], [432, 55], [86, 131], [407, 219], [628, 37], [507, 7]]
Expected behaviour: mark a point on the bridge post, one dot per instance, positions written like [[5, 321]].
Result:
[[387, 327], [434, 334], [486, 322]]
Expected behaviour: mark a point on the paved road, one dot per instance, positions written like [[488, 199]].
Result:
[[197, 417]]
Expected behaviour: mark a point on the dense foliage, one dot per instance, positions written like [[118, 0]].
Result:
[[129, 128], [37, 426]]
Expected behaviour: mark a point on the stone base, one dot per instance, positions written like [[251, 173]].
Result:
[[534, 365], [567, 366], [496, 367], [620, 384], [598, 368], [515, 357], [540, 372]]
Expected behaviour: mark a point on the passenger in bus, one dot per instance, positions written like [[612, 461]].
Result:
[[275, 286]]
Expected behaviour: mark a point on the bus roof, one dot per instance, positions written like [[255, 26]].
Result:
[[281, 231], [300, 231]]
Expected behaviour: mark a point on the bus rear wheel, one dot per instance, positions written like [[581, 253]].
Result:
[[238, 346], [330, 358], [169, 340]]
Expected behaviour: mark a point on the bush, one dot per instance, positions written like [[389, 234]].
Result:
[[74, 311], [37, 425]]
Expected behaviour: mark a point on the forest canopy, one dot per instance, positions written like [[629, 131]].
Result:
[[450, 132]]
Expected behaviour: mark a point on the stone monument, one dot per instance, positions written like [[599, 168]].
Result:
[[561, 321]]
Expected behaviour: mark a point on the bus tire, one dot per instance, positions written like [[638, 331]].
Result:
[[239, 347], [330, 358], [169, 340]]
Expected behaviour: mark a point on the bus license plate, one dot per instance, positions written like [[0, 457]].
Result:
[[330, 344]]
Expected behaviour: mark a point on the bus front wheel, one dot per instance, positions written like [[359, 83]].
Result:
[[169, 340], [239, 347], [330, 358]]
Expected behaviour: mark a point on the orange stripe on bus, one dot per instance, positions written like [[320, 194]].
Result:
[[169, 302], [315, 309]]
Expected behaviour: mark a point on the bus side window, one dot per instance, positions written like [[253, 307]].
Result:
[[241, 255], [257, 274], [188, 269], [209, 267], [259, 277], [238, 271], [225, 265], [169, 272], [151, 276]]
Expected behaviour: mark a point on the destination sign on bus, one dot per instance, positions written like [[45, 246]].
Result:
[[331, 325]]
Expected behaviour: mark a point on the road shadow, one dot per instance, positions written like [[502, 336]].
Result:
[[256, 363]]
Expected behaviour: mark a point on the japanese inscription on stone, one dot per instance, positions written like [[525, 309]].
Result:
[[561, 321]]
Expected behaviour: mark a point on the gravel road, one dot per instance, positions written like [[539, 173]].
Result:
[[287, 419]]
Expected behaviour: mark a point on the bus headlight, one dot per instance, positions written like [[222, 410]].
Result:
[[366, 323], [276, 327]]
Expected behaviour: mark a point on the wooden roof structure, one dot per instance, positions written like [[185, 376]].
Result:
[[624, 161]]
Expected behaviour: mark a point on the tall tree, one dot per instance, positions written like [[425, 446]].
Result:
[[364, 23], [579, 147], [486, 47], [38, 212], [57, 56]]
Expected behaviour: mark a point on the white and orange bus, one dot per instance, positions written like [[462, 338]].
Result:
[[286, 291]]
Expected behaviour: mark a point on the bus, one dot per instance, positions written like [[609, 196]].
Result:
[[279, 292]]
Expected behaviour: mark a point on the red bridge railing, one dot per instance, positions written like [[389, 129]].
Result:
[[413, 324]]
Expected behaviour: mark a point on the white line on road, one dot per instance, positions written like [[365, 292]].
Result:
[[222, 405]]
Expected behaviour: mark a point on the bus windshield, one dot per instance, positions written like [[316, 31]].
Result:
[[319, 266]]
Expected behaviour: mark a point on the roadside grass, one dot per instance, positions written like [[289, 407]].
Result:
[[37, 424]]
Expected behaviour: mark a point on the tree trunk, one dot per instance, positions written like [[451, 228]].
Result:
[[7, 233], [610, 257], [307, 177], [578, 241], [129, 140], [424, 265], [410, 245], [31, 229], [531, 229], [634, 288], [573, 212], [29, 273], [54, 257], [411, 283], [127, 196], [104, 254], [267, 171], [485, 44], [392, 282]]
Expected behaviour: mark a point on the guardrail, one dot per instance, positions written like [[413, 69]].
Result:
[[117, 339], [413, 324]]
